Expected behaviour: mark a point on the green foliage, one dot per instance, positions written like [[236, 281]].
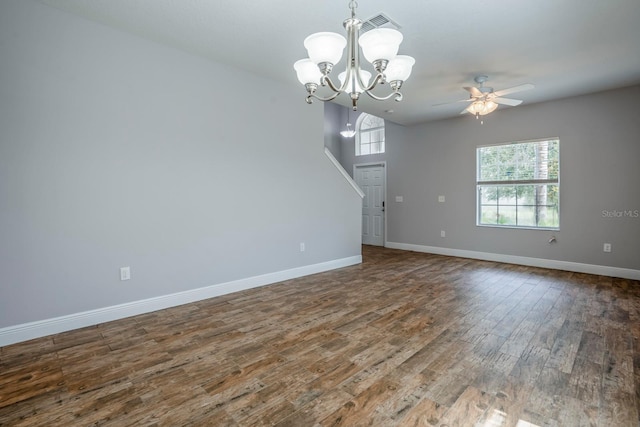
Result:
[[519, 161]]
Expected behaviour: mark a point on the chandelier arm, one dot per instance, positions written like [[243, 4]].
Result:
[[378, 79], [328, 98], [327, 82], [398, 96]]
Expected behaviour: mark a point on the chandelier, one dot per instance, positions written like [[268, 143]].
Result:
[[379, 47], [348, 133]]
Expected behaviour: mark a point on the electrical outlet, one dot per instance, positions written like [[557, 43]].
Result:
[[125, 273], [607, 247], [442, 233], [441, 199], [302, 247]]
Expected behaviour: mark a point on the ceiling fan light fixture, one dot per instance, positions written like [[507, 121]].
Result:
[[482, 108], [490, 106]]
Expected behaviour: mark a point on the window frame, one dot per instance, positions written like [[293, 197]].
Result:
[[515, 183], [358, 128]]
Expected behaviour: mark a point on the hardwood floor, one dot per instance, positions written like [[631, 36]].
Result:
[[404, 339]]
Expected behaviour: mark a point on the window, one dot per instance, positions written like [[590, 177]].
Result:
[[369, 135], [518, 184]]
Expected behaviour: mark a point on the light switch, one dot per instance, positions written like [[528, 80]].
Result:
[[399, 199], [441, 199], [125, 273]]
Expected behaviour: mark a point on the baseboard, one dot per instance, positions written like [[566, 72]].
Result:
[[27, 331], [602, 270]]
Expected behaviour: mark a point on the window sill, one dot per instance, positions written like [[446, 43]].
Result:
[[518, 227]]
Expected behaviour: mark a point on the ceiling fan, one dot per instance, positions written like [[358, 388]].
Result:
[[484, 99]]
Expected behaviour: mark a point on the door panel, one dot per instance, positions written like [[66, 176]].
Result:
[[371, 179]]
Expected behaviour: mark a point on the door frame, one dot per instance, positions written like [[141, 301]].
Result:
[[382, 163]]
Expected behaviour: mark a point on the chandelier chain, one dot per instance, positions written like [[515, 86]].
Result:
[[353, 5]]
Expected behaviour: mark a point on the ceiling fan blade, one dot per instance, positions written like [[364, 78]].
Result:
[[507, 101], [474, 91], [514, 89], [466, 110]]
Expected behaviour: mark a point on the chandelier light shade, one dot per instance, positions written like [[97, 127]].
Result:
[[307, 71], [325, 47], [399, 68], [379, 47], [380, 44]]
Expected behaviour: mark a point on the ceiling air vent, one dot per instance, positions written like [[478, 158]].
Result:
[[378, 21]]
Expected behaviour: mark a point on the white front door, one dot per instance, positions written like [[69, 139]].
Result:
[[371, 179]]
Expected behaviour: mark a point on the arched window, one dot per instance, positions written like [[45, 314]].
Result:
[[369, 135]]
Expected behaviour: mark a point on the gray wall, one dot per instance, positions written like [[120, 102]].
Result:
[[116, 151], [334, 116], [599, 157]]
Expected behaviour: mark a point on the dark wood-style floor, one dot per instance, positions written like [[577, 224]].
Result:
[[404, 339]]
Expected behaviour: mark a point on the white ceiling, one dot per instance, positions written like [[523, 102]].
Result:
[[564, 47]]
